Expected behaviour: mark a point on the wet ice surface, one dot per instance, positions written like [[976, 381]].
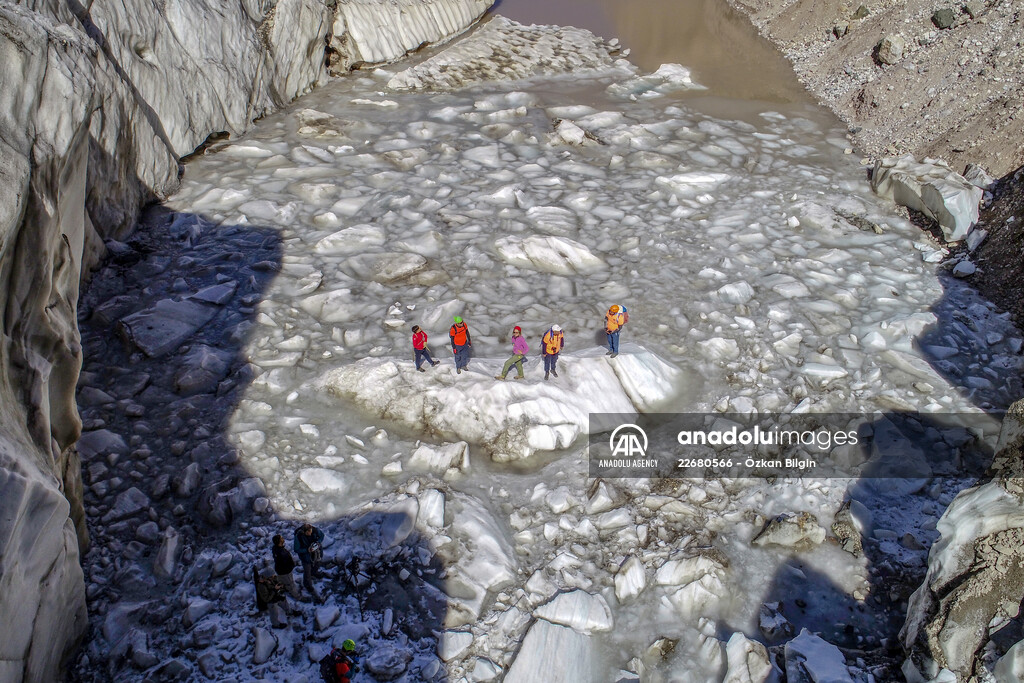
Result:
[[746, 255]]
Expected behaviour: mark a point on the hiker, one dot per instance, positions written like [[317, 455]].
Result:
[[551, 346], [284, 565], [307, 546], [461, 341], [519, 349], [419, 346], [268, 589], [339, 665], [613, 322]]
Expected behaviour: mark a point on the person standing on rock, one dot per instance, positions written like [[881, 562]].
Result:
[[614, 320], [419, 346], [284, 565], [307, 546], [519, 351], [461, 343], [551, 346]]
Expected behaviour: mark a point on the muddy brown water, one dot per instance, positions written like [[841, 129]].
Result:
[[720, 46]]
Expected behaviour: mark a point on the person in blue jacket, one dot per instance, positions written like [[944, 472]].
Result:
[[308, 546]]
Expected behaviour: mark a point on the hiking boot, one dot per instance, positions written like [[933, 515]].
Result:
[[519, 376], [545, 375], [458, 371], [553, 372], [501, 377], [420, 370], [608, 353], [435, 363], [615, 354]]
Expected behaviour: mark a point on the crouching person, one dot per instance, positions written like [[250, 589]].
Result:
[[340, 664]]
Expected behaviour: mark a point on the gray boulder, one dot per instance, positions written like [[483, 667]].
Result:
[[943, 18], [891, 49]]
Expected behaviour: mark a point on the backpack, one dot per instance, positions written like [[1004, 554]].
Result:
[[316, 552], [335, 667], [625, 314]]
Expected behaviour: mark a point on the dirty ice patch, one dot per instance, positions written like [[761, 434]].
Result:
[[513, 419], [504, 50], [556, 255], [667, 79]]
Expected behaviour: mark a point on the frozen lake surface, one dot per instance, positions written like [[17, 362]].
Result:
[[760, 273]]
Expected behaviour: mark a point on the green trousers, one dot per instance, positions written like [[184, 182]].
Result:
[[517, 361]]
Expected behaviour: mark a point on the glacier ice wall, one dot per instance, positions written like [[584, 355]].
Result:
[[374, 31], [98, 102]]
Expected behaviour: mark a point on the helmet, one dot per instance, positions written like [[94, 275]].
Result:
[[348, 645], [517, 329], [556, 328], [415, 327], [458, 319], [614, 308]]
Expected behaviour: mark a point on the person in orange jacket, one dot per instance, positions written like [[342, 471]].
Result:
[[550, 346], [461, 341], [614, 320]]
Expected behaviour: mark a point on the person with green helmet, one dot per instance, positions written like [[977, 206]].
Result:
[[461, 342], [340, 664]]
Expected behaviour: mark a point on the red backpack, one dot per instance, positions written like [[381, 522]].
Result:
[[336, 667]]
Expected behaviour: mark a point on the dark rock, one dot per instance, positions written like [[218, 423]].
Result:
[[215, 507], [148, 532], [186, 484], [128, 503], [861, 12], [771, 622], [161, 485], [943, 18], [174, 670], [134, 579], [162, 328]]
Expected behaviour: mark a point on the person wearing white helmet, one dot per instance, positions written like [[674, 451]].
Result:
[[550, 346]]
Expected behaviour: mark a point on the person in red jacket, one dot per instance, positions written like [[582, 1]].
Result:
[[419, 345]]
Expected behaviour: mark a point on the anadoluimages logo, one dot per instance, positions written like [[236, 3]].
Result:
[[628, 441]]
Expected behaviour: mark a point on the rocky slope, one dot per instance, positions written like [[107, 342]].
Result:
[[97, 105], [926, 77], [945, 84]]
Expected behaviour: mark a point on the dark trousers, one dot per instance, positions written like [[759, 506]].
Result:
[[309, 572], [423, 355], [461, 356], [549, 362], [613, 341]]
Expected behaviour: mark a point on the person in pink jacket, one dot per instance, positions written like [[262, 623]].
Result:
[[519, 351]]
